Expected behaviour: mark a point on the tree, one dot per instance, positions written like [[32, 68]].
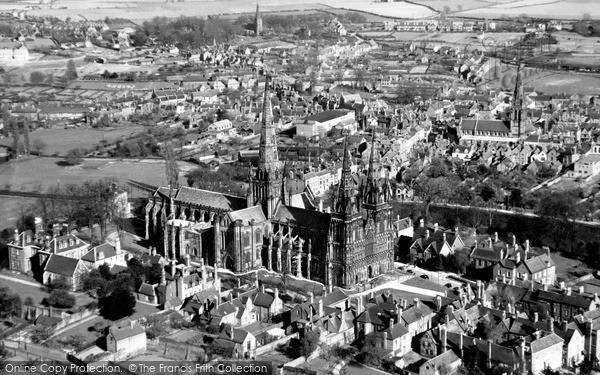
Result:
[[74, 156], [36, 77], [29, 301], [59, 284], [446, 9], [118, 304], [71, 72], [38, 146], [10, 303], [40, 334], [50, 79], [549, 371], [61, 298]]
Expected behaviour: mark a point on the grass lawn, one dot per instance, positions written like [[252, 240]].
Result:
[[83, 330], [11, 208], [24, 291], [59, 141], [38, 174], [568, 268]]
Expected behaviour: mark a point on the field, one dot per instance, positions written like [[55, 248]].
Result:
[[11, 209], [59, 141], [571, 83], [562, 9], [144, 10]]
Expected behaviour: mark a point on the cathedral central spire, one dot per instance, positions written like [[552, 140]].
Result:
[[344, 201], [268, 157], [372, 190]]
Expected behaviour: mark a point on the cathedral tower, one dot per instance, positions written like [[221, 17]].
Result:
[[267, 183], [515, 120]]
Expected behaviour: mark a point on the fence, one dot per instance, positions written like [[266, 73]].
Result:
[[274, 344], [35, 350]]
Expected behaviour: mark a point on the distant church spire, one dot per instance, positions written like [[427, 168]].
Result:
[[515, 121], [258, 23]]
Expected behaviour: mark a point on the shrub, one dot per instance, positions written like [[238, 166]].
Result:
[[61, 298]]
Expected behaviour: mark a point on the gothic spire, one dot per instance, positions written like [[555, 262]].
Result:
[[372, 189], [268, 159], [343, 200]]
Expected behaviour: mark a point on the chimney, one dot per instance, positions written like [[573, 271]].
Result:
[[179, 285], [444, 338], [435, 227], [526, 245], [456, 231], [321, 205], [426, 233], [545, 287], [312, 298], [262, 288], [55, 230], [501, 254], [173, 268], [514, 240], [417, 302], [117, 244], [551, 324], [163, 277], [320, 308], [421, 223], [590, 333], [438, 302], [564, 325], [385, 339], [503, 314], [568, 291], [152, 251], [495, 237], [16, 236], [522, 351], [460, 344], [489, 356], [444, 236], [536, 316], [581, 289], [131, 324], [518, 257]]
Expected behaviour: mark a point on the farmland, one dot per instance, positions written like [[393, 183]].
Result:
[[564, 9]]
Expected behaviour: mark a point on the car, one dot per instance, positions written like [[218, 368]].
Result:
[[410, 271], [425, 277], [401, 268]]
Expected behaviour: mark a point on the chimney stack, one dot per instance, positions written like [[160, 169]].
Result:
[[461, 345], [152, 251], [495, 237], [321, 205], [311, 297], [426, 233], [16, 236], [489, 356], [518, 257], [117, 244], [173, 268], [320, 308], [422, 223], [568, 291], [536, 316], [444, 338], [581, 289], [526, 245], [385, 340], [551, 324], [435, 227], [514, 240], [417, 302]]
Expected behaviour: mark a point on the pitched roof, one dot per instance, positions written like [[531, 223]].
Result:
[[301, 216], [61, 265], [146, 289], [126, 332], [247, 215], [100, 252], [210, 199], [545, 342]]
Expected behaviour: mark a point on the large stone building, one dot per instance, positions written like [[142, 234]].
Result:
[[348, 244]]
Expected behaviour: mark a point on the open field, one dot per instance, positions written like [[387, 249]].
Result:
[[144, 10], [41, 173], [60, 141], [571, 83], [38, 293], [562, 9], [11, 208]]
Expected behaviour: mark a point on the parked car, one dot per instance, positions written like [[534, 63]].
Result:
[[424, 277]]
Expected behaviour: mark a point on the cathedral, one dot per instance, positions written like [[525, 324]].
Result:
[[348, 243]]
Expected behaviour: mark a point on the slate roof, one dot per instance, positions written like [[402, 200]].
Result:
[[303, 217], [47, 321], [146, 289], [210, 199], [61, 265], [485, 126], [246, 215], [263, 300], [107, 251], [545, 342], [326, 115], [126, 332]]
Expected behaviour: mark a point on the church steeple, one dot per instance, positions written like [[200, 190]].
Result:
[[258, 23], [515, 120], [345, 200], [267, 184], [372, 189], [268, 157]]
